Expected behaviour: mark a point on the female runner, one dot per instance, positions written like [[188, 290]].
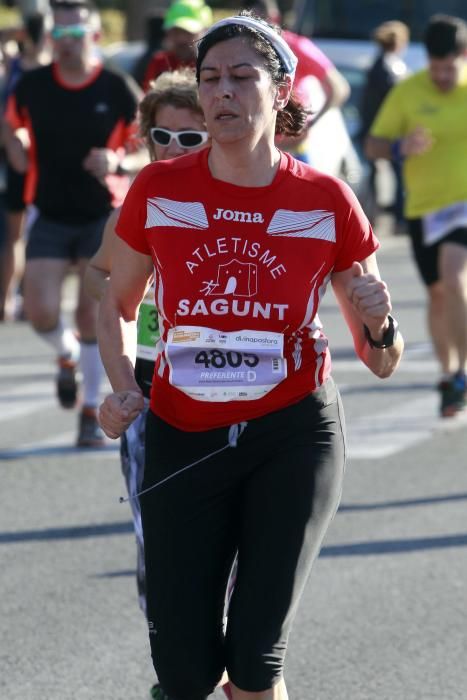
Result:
[[244, 438]]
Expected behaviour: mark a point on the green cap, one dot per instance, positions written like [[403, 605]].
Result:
[[191, 15]]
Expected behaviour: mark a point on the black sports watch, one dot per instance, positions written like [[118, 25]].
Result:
[[388, 338]]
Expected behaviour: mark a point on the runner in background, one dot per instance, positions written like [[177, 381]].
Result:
[[172, 124], [244, 438], [388, 69], [422, 123], [184, 22], [154, 33], [312, 64], [33, 51], [68, 126]]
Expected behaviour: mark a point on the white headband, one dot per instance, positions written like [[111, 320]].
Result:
[[283, 50]]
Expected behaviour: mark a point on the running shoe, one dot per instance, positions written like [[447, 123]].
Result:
[[453, 395], [67, 385], [90, 432], [156, 693]]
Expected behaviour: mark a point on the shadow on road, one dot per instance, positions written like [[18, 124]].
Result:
[[418, 544], [339, 550], [409, 503]]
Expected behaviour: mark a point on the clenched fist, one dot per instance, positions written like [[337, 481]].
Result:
[[118, 411], [370, 298]]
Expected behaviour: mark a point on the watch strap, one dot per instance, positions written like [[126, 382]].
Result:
[[388, 338]]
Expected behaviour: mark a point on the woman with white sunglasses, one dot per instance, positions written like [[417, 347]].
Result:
[[245, 445], [172, 124]]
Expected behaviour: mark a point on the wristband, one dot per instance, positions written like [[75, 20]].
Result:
[[396, 153]]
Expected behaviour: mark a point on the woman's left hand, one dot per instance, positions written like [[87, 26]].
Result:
[[370, 298]]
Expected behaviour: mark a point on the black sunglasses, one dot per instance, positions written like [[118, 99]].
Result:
[[185, 139]]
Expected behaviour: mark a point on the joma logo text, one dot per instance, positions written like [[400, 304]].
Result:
[[244, 217]]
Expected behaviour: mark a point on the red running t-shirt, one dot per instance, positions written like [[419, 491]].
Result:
[[160, 62], [239, 274]]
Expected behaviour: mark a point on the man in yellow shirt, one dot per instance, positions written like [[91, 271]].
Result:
[[423, 123]]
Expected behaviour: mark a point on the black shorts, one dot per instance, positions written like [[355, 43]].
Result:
[[426, 256], [271, 498], [53, 239]]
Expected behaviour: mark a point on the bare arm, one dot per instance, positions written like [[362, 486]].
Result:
[[16, 142], [336, 87], [129, 159], [337, 91], [376, 147], [98, 270], [364, 299], [117, 336], [414, 144], [101, 162]]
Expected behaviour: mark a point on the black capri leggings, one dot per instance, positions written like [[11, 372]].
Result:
[[271, 498]]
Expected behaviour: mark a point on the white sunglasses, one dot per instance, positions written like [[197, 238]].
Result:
[[185, 139]]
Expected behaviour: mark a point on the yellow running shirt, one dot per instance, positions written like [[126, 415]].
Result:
[[437, 178]]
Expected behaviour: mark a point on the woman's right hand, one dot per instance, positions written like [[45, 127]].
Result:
[[118, 411]]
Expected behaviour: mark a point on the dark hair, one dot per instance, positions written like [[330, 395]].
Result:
[[292, 119], [34, 27], [155, 28], [445, 35]]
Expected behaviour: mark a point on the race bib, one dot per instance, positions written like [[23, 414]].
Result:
[[440, 223], [209, 365], [148, 327]]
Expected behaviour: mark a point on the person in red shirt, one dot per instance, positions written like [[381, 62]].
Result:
[[183, 24], [318, 85], [245, 447], [312, 63]]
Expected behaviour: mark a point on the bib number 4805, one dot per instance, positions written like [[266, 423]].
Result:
[[219, 359]]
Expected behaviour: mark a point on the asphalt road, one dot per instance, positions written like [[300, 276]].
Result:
[[384, 614]]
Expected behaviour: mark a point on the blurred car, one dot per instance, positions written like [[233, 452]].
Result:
[[354, 20], [124, 55]]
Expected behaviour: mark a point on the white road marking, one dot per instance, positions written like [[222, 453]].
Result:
[[400, 427], [63, 442], [428, 367], [25, 399], [374, 436], [26, 369], [417, 359]]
